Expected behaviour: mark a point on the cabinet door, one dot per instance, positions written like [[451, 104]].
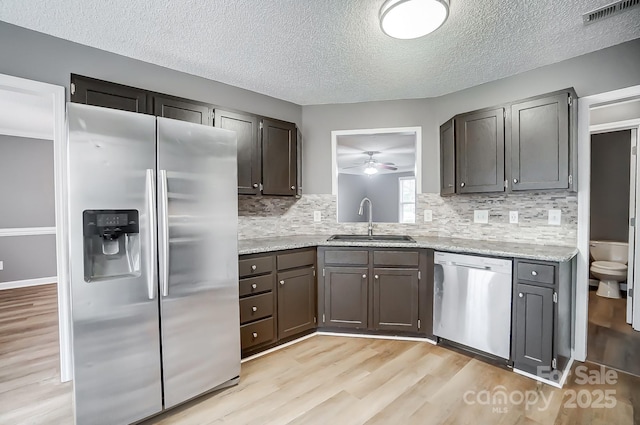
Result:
[[447, 159], [108, 95], [247, 129], [296, 301], [540, 144], [279, 158], [346, 291], [533, 334], [182, 110], [395, 299], [480, 151]]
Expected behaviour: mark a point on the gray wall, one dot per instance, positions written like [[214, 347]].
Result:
[[351, 189], [27, 257], [27, 190], [616, 112], [608, 69], [610, 157], [382, 189], [40, 57]]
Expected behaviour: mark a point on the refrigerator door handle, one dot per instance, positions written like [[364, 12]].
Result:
[[151, 246], [163, 210]]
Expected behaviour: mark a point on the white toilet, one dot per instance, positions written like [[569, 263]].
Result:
[[609, 265]]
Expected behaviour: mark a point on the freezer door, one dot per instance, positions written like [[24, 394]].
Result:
[[197, 243], [116, 338]]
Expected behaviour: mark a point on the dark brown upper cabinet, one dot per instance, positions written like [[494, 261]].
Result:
[[524, 145], [480, 151], [269, 151], [247, 129], [90, 91], [279, 158], [181, 109], [447, 158], [539, 134]]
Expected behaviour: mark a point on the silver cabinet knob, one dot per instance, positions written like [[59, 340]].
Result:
[[254, 335], [462, 184], [364, 276], [293, 188], [282, 282], [534, 273], [255, 185], [254, 267], [376, 277], [254, 308], [521, 295], [254, 286], [515, 180]]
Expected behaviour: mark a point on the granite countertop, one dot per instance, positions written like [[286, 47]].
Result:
[[493, 248]]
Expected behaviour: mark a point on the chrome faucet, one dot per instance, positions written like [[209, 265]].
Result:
[[360, 211]]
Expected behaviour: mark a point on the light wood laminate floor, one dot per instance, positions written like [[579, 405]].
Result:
[[611, 340], [321, 380]]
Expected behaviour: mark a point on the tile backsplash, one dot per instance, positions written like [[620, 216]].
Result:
[[452, 217]]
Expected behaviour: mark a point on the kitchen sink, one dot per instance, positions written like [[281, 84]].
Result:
[[374, 238]]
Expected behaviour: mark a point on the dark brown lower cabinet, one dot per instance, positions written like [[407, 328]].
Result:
[[534, 326], [377, 290], [346, 294], [296, 301], [395, 299], [541, 325], [277, 298]]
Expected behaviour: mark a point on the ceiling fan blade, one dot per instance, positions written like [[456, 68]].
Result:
[[352, 166], [387, 167]]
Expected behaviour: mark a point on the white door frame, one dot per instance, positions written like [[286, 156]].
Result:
[[584, 199], [57, 96]]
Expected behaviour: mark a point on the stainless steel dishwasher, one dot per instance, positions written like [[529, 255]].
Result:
[[472, 302]]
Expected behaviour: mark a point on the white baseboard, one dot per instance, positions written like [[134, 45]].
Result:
[[560, 384], [27, 282]]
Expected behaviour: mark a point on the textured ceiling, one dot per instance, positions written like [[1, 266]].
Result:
[[330, 51]]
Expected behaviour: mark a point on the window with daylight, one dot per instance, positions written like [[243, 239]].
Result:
[[407, 199]]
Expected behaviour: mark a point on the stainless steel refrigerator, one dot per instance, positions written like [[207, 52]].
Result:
[[153, 250]]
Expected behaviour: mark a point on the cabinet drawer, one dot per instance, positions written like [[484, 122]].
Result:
[[256, 285], [256, 307], [256, 333], [396, 258], [295, 259], [544, 273], [254, 266], [346, 257]]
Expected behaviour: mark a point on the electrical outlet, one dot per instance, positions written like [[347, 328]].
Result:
[[513, 217], [480, 216], [555, 217], [1, 265], [317, 216], [428, 215]]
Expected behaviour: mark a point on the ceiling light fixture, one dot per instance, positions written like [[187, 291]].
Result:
[[370, 170], [407, 19]]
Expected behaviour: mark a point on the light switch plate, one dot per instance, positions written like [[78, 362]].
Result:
[[555, 217], [1, 265], [317, 216], [428, 215], [480, 216], [513, 217]]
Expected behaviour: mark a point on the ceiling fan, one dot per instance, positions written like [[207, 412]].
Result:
[[371, 166]]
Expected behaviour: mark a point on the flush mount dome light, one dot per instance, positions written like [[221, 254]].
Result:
[[406, 19]]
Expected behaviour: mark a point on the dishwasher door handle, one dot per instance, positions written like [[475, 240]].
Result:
[[469, 266]]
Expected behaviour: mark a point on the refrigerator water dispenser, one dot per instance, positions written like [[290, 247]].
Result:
[[111, 244]]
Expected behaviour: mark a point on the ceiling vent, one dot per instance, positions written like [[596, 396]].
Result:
[[608, 10]]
